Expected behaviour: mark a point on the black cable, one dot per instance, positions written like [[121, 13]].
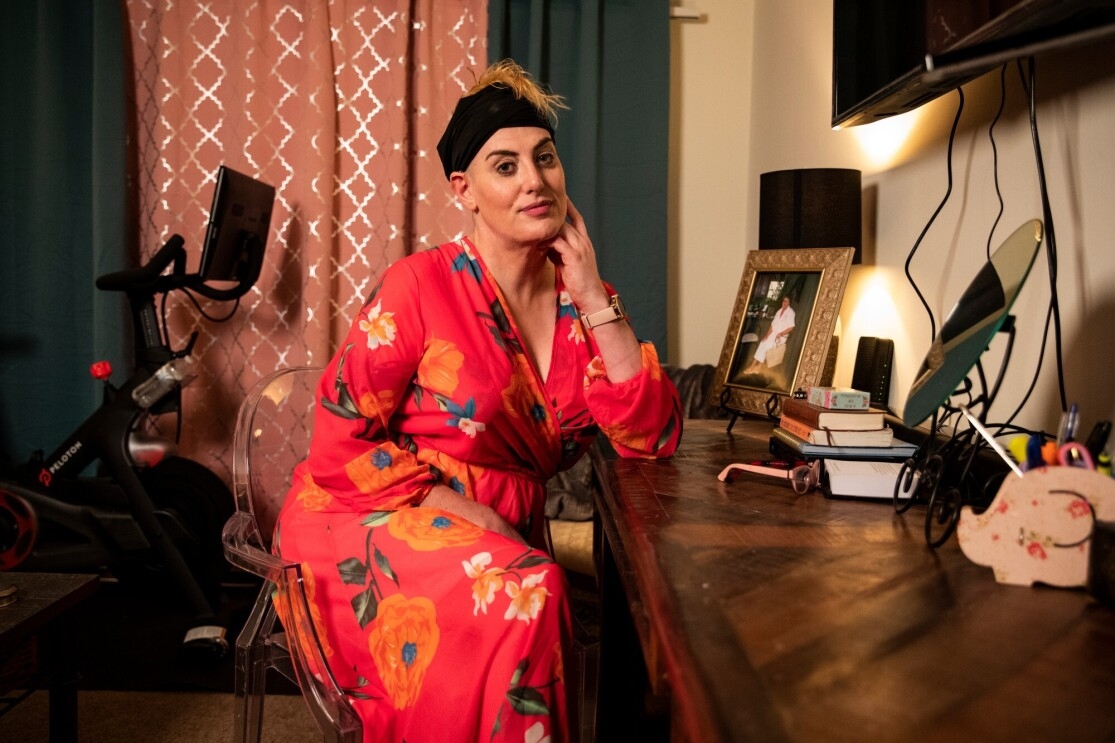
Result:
[[936, 212], [1050, 235], [995, 154], [207, 316]]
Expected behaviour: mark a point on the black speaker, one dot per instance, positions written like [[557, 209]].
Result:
[[872, 370]]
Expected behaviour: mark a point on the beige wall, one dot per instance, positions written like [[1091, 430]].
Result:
[[752, 94]]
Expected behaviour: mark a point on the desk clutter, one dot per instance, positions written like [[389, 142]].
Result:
[[836, 423], [1040, 527]]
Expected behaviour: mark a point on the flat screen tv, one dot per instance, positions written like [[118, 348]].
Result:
[[892, 56], [238, 225]]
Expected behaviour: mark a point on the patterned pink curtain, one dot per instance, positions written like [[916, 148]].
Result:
[[339, 105]]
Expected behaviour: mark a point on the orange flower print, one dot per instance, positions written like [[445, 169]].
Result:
[[376, 405], [437, 371], [371, 471], [526, 600], [595, 370], [380, 328], [486, 581], [457, 475], [311, 496], [518, 395], [309, 585], [559, 663], [566, 308], [623, 434], [650, 361], [403, 641], [428, 529], [284, 606]]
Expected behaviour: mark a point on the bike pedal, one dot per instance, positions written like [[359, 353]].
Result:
[[206, 640]]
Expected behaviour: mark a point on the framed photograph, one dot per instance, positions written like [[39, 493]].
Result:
[[779, 334]]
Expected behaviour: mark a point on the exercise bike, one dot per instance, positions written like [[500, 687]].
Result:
[[143, 511]]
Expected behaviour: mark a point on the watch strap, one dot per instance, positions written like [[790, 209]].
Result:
[[613, 312]]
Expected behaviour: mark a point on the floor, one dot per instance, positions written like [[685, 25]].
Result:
[[136, 679], [137, 682]]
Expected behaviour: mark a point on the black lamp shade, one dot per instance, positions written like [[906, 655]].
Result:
[[811, 208]]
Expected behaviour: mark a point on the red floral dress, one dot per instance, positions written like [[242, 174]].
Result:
[[437, 629]]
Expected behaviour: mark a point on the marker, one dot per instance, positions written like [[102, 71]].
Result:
[[1097, 439], [1103, 464], [1049, 454], [1034, 458]]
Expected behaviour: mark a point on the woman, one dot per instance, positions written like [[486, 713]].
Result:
[[781, 325], [467, 379]]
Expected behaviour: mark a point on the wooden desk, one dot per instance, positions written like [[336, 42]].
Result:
[[43, 610], [763, 615]]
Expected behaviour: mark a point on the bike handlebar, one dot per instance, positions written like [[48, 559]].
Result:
[[148, 280], [131, 279]]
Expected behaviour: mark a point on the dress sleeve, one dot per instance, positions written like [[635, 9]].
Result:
[[352, 453], [640, 416]]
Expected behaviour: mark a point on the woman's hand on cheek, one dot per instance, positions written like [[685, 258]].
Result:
[[572, 252]]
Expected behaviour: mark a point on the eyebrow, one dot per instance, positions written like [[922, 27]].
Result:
[[512, 153]]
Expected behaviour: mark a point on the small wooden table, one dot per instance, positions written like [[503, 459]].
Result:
[[42, 613], [762, 615]]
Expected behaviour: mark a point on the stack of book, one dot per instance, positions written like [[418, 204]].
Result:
[[837, 424]]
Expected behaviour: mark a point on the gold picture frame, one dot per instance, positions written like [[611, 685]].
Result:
[[762, 361]]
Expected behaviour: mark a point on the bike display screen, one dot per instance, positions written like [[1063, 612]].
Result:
[[238, 224]]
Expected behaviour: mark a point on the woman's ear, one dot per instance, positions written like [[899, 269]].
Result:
[[459, 182]]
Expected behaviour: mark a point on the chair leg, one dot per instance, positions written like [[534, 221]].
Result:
[[252, 660]]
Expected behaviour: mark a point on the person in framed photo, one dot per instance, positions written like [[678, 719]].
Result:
[[771, 350]]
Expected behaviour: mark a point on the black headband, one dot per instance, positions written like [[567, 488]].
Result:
[[477, 117]]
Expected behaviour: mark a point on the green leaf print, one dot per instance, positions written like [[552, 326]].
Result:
[[352, 571], [385, 566], [365, 605], [526, 700]]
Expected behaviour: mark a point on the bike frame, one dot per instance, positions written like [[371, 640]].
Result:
[[113, 510]]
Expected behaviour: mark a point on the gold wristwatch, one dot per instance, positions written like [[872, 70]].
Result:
[[614, 311]]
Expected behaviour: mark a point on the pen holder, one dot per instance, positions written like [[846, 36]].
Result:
[[1040, 527]]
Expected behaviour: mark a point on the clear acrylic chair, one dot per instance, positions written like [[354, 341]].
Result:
[[272, 435]]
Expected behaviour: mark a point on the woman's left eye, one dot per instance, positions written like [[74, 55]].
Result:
[[546, 158]]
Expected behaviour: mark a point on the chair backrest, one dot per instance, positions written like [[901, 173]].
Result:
[[273, 434]]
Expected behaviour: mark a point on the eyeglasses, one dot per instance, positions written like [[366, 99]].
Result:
[[806, 477], [803, 477]]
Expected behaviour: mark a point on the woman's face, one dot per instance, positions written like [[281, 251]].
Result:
[[516, 186]]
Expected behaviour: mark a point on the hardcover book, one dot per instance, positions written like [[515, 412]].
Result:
[[837, 437], [783, 442], [844, 420]]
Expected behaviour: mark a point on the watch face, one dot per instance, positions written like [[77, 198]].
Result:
[[621, 311]]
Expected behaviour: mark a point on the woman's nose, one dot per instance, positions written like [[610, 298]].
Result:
[[532, 177]]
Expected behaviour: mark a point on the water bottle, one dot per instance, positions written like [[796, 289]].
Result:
[[173, 372]]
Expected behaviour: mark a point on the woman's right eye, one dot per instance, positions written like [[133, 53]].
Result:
[[505, 168]]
